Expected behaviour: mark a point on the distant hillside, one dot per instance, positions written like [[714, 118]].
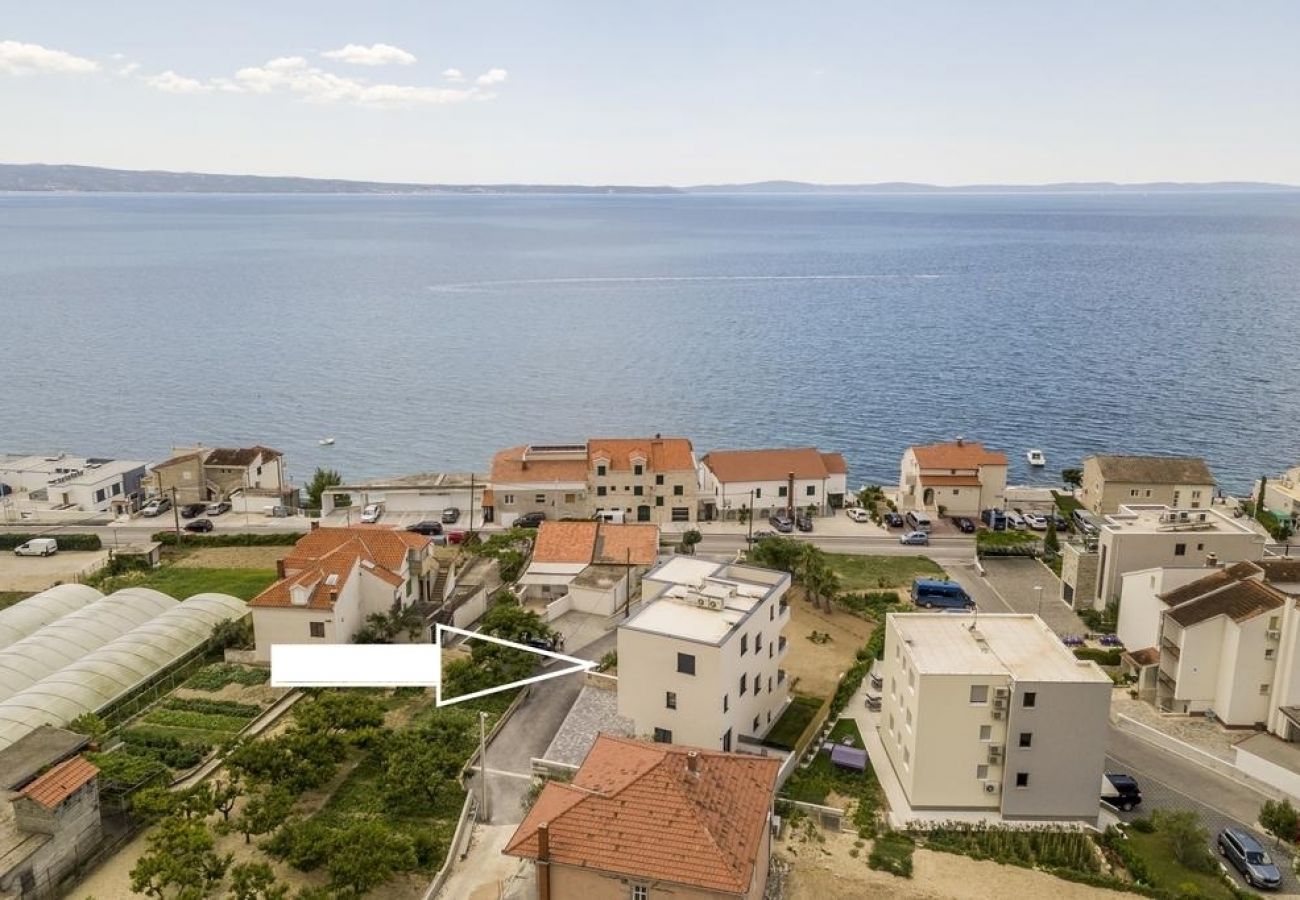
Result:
[[89, 178], [908, 187]]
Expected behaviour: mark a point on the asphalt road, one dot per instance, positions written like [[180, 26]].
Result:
[[939, 548]]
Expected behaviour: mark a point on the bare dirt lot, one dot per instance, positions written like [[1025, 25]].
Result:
[[233, 558], [818, 666], [826, 871]]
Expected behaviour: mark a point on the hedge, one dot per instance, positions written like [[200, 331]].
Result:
[[1102, 657], [264, 539], [66, 541]]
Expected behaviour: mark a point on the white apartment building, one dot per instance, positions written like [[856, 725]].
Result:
[[1282, 494], [700, 662], [992, 712], [768, 481], [63, 481], [1155, 536]]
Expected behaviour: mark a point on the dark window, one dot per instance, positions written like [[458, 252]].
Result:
[[659, 501], [600, 490], [670, 700], [780, 492], [1180, 549], [663, 736], [744, 682], [812, 490], [758, 641], [744, 644], [1026, 740], [758, 493], [638, 490], [756, 723], [758, 683], [1022, 779], [1030, 699], [659, 479], [685, 663], [681, 514], [726, 702], [317, 629], [600, 470], [678, 490], [638, 469]]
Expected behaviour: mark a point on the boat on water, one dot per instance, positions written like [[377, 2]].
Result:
[[325, 442], [1036, 458]]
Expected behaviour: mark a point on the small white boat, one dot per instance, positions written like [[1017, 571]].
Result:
[[1036, 458], [325, 442]]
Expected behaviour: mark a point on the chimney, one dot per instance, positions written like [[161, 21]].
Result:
[[334, 596], [543, 862], [693, 763], [658, 435], [279, 568], [315, 523], [1211, 560], [961, 441]]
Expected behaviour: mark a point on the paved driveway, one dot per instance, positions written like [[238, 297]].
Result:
[[1014, 580]]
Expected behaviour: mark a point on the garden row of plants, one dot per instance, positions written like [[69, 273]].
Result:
[[260, 539], [217, 675]]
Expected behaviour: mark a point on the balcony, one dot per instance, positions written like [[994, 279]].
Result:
[[1168, 646], [1165, 681]]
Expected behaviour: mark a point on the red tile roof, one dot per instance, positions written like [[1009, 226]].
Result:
[[327, 552], [508, 468], [635, 544], [634, 809], [671, 454], [952, 455], [61, 782], [730, 466], [596, 542], [951, 480], [564, 542]]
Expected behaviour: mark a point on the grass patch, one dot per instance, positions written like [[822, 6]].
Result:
[[195, 721], [218, 675], [9, 598], [1167, 874], [1010, 538], [863, 573], [181, 583], [1045, 848], [790, 727], [1066, 503], [892, 853]]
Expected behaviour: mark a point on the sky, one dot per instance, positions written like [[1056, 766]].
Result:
[[665, 92]]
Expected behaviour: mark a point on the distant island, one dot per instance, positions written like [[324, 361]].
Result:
[[88, 179]]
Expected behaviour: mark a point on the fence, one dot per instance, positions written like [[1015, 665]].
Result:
[[825, 817], [458, 848]]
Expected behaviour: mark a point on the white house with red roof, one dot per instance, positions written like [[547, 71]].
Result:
[[959, 477], [769, 481], [334, 578]]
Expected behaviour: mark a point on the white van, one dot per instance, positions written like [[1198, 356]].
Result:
[[919, 521], [37, 547]]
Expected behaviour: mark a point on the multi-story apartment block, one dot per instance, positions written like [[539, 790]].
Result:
[[700, 662], [201, 474], [767, 481], [1111, 481], [961, 478], [992, 712], [64, 482]]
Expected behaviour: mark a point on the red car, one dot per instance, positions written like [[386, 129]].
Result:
[[455, 537]]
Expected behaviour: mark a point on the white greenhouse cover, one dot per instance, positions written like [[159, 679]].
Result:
[[68, 639], [28, 616], [112, 671]]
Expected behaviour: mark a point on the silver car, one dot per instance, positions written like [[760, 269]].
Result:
[[371, 514], [1249, 858]]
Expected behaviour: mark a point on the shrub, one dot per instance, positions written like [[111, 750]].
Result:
[[218, 675], [304, 844], [892, 853], [1109, 656], [1029, 847], [1280, 819], [215, 707], [11, 540], [125, 768], [261, 539]]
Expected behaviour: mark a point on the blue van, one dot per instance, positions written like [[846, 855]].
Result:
[[995, 519], [930, 594]]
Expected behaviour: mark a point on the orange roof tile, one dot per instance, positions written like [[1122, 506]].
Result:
[[634, 809], [951, 480], [508, 468], [730, 466], [952, 455], [61, 782], [564, 542], [635, 544], [335, 552], [671, 454]]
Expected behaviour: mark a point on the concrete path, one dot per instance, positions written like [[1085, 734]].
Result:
[[485, 873]]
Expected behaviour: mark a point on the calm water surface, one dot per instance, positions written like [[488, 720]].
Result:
[[425, 332]]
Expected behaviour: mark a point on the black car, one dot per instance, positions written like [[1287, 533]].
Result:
[[190, 510], [1059, 521], [893, 520], [965, 524], [803, 523], [781, 522], [530, 520], [199, 526], [450, 515], [428, 528]]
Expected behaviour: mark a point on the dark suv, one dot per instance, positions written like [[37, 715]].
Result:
[[530, 520], [1249, 858], [428, 528], [781, 522], [964, 524], [190, 510], [803, 523]]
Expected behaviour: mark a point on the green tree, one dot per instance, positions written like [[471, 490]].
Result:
[[419, 767], [89, 724], [321, 481], [1051, 543], [1186, 838], [367, 854], [742, 514], [263, 812], [179, 855], [1280, 819], [690, 538], [819, 579], [1072, 477], [1259, 498], [255, 881], [224, 794], [781, 553], [339, 712]]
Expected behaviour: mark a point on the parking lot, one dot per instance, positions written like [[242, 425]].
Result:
[[36, 573]]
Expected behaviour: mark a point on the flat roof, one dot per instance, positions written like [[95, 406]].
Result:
[[1161, 519], [419, 480], [22, 759], [1019, 646], [705, 600], [600, 576]]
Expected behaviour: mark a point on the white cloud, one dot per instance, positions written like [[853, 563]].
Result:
[[22, 59], [127, 68], [374, 55], [171, 83], [491, 76], [455, 76], [294, 75]]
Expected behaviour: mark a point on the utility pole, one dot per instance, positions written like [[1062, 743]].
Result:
[[471, 505], [482, 766], [176, 514], [751, 517]]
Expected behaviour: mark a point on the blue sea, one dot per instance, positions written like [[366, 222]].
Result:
[[424, 332]]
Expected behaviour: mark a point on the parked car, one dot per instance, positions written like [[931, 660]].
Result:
[[1059, 521], [1120, 791], [781, 522], [450, 515], [372, 513], [190, 510], [914, 537], [455, 537], [1249, 858], [530, 520], [995, 519], [428, 528], [155, 507], [918, 520], [858, 514], [216, 509], [894, 520], [763, 535], [1084, 521], [929, 593], [965, 525], [38, 547], [1015, 520], [1036, 521], [199, 526], [803, 523]]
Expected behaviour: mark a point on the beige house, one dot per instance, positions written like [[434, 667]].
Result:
[[768, 481], [204, 474], [544, 478], [1111, 481], [334, 578], [591, 567], [1146, 537], [992, 713], [699, 661], [961, 478], [643, 821], [1282, 494]]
